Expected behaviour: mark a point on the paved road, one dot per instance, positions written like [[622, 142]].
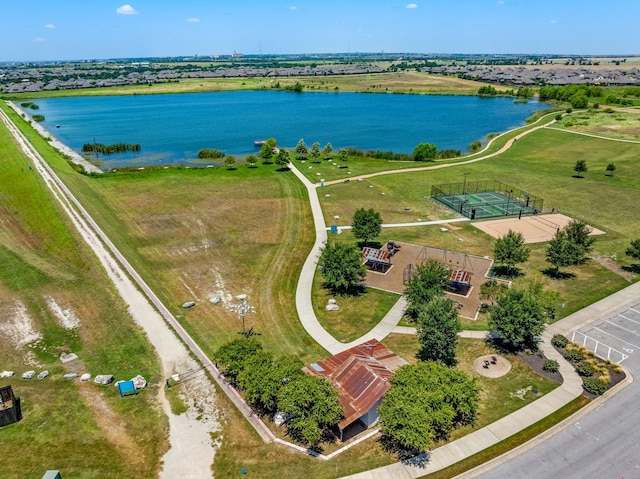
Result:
[[603, 443]]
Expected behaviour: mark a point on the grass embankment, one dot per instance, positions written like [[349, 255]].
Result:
[[83, 429]]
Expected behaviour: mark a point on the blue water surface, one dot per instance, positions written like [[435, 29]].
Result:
[[172, 128]]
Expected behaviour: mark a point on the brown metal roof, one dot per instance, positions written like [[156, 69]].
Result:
[[360, 375]]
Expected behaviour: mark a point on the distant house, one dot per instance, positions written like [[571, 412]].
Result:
[[361, 376]]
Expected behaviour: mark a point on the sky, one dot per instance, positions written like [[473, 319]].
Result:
[[46, 30]]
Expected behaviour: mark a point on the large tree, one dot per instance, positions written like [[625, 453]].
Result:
[[517, 319], [301, 147], [327, 149], [283, 158], [366, 224], [424, 152], [231, 357], [262, 377], [425, 403], [578, 233], [315, 150], [313, 406], [267, 149], [342, 268], [438, 327], [491, 290], [570, 245], [429, 281], [511, 250]]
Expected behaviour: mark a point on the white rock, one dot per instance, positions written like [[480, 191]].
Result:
[[6, 374], [332, 301], [139, 382], [70, 376], [66, 357], [332, 307], [241, 297], [189, 304], [103, 379], [43, 374], [28, 375], [85, 377]]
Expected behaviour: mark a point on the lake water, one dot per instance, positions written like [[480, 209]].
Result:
[[172, 128]]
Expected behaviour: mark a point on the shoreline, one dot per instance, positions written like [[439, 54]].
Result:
[[74, 157]]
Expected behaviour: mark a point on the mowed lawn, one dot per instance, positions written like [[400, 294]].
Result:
[[199, 233], [47, 273]]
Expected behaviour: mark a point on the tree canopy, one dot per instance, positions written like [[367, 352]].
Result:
[[429, 281], [517, 318], [313, 406], [283, 158], [425, 403], [231, 357], [580, 167], [424, 152], [262, 377], [511, 250], [366, 224], [342, 268], [327, 149], [491, 290], [562, 252], [301, 147], [267, 149], [315, 150], [438, 327]]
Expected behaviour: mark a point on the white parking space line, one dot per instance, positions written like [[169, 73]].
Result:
[[616, 337], [599, 348], [623, 328], [629, 319]]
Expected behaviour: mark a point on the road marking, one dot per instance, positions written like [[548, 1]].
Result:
[[628, 319], [609, 349], [592, 436], [622, 327], [616, 337]]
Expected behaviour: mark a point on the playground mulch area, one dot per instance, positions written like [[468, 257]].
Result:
[[392, 279], [534, 229]]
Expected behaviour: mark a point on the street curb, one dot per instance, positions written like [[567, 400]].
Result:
[[535, 441]]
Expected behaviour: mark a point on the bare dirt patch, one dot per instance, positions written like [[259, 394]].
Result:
[[534, 229], [611, 265]]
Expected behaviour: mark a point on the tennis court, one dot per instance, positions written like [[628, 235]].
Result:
[[534, 229], [486, 199]]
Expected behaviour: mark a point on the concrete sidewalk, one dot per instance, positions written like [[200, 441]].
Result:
[[481, 439]]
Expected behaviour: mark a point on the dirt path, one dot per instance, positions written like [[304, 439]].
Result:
[[192, 449]]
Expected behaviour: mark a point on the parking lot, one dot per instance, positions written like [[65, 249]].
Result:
[[615, 336]]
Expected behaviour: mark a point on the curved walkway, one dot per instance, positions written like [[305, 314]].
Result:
[[304, 306]]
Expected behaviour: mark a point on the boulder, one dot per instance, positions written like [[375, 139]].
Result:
[[66, 357], [215, 300], [6, 374], [28, 375], [189, 304], [70, 376], [43, 374], [103, 379], [332, 305], [85, 377], [139, 382], [241, 297]]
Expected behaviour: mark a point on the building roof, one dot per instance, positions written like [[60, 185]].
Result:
[[360, 375]]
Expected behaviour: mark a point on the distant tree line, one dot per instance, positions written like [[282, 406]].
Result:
[[110, 149], [577, 95]]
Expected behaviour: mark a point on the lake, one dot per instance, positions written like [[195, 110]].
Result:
[[172, 128]]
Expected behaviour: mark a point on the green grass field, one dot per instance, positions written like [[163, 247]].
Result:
[[76, 427], [195, 233]]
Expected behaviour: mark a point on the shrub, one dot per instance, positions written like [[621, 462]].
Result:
[[616, 368], [585, 369], [573, 355], [559, 341], [551, 365], [594, 386], [558, 117]]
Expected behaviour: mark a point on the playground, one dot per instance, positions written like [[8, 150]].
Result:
[[467, 273]]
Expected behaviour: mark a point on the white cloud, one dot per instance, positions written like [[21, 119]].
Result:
[[553, 22], [126, 10], [39, 39], [293, 8], [50, 25], [500, 2], [412, 5], [193, 20]]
